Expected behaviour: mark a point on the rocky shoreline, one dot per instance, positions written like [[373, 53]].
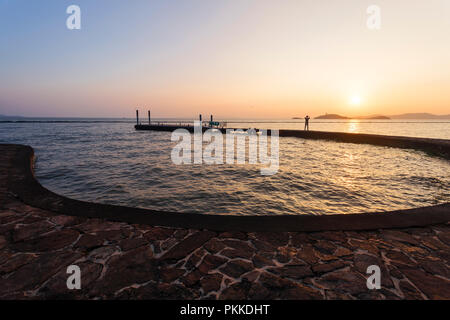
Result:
[[120, 260]]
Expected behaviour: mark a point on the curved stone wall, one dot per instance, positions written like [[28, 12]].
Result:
[[24, 185], [36, 246]]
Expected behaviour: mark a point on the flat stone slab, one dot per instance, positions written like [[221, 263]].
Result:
[[199, 266]]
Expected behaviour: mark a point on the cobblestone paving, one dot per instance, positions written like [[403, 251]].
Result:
[[124, 261]]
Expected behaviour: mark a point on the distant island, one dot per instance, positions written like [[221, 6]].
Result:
[[404, 116], [2, 116], [332, 116], [421, 116]]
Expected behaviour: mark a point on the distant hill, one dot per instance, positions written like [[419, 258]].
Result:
[[422, 116], [332, 116], [377, 117], [2, 116]]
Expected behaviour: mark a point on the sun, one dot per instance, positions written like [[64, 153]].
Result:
[[355, 100]]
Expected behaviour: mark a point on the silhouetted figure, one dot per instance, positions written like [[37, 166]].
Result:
[[307, 122]]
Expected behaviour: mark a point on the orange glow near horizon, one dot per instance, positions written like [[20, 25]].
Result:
[[258, 59]]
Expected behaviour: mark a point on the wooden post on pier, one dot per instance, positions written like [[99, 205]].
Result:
[[211, 121], [149, 122], [137, 117]]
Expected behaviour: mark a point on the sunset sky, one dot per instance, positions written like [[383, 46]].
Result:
[[234, 58]]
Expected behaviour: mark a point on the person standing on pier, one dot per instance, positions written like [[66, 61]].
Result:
[[307, 122]]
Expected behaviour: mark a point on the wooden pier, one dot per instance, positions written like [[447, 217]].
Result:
[[436, 147], [173, 125]]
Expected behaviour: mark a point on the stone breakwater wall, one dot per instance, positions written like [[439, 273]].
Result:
[[41, 234], [436, 147]]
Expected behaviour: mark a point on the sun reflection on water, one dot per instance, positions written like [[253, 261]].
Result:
[[353, 126]]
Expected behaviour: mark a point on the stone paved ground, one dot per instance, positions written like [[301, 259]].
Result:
[[123, 261]]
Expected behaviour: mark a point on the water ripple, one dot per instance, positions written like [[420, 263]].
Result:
[[111, 163]]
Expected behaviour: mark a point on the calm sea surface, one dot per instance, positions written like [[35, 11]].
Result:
[[109, 162]]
